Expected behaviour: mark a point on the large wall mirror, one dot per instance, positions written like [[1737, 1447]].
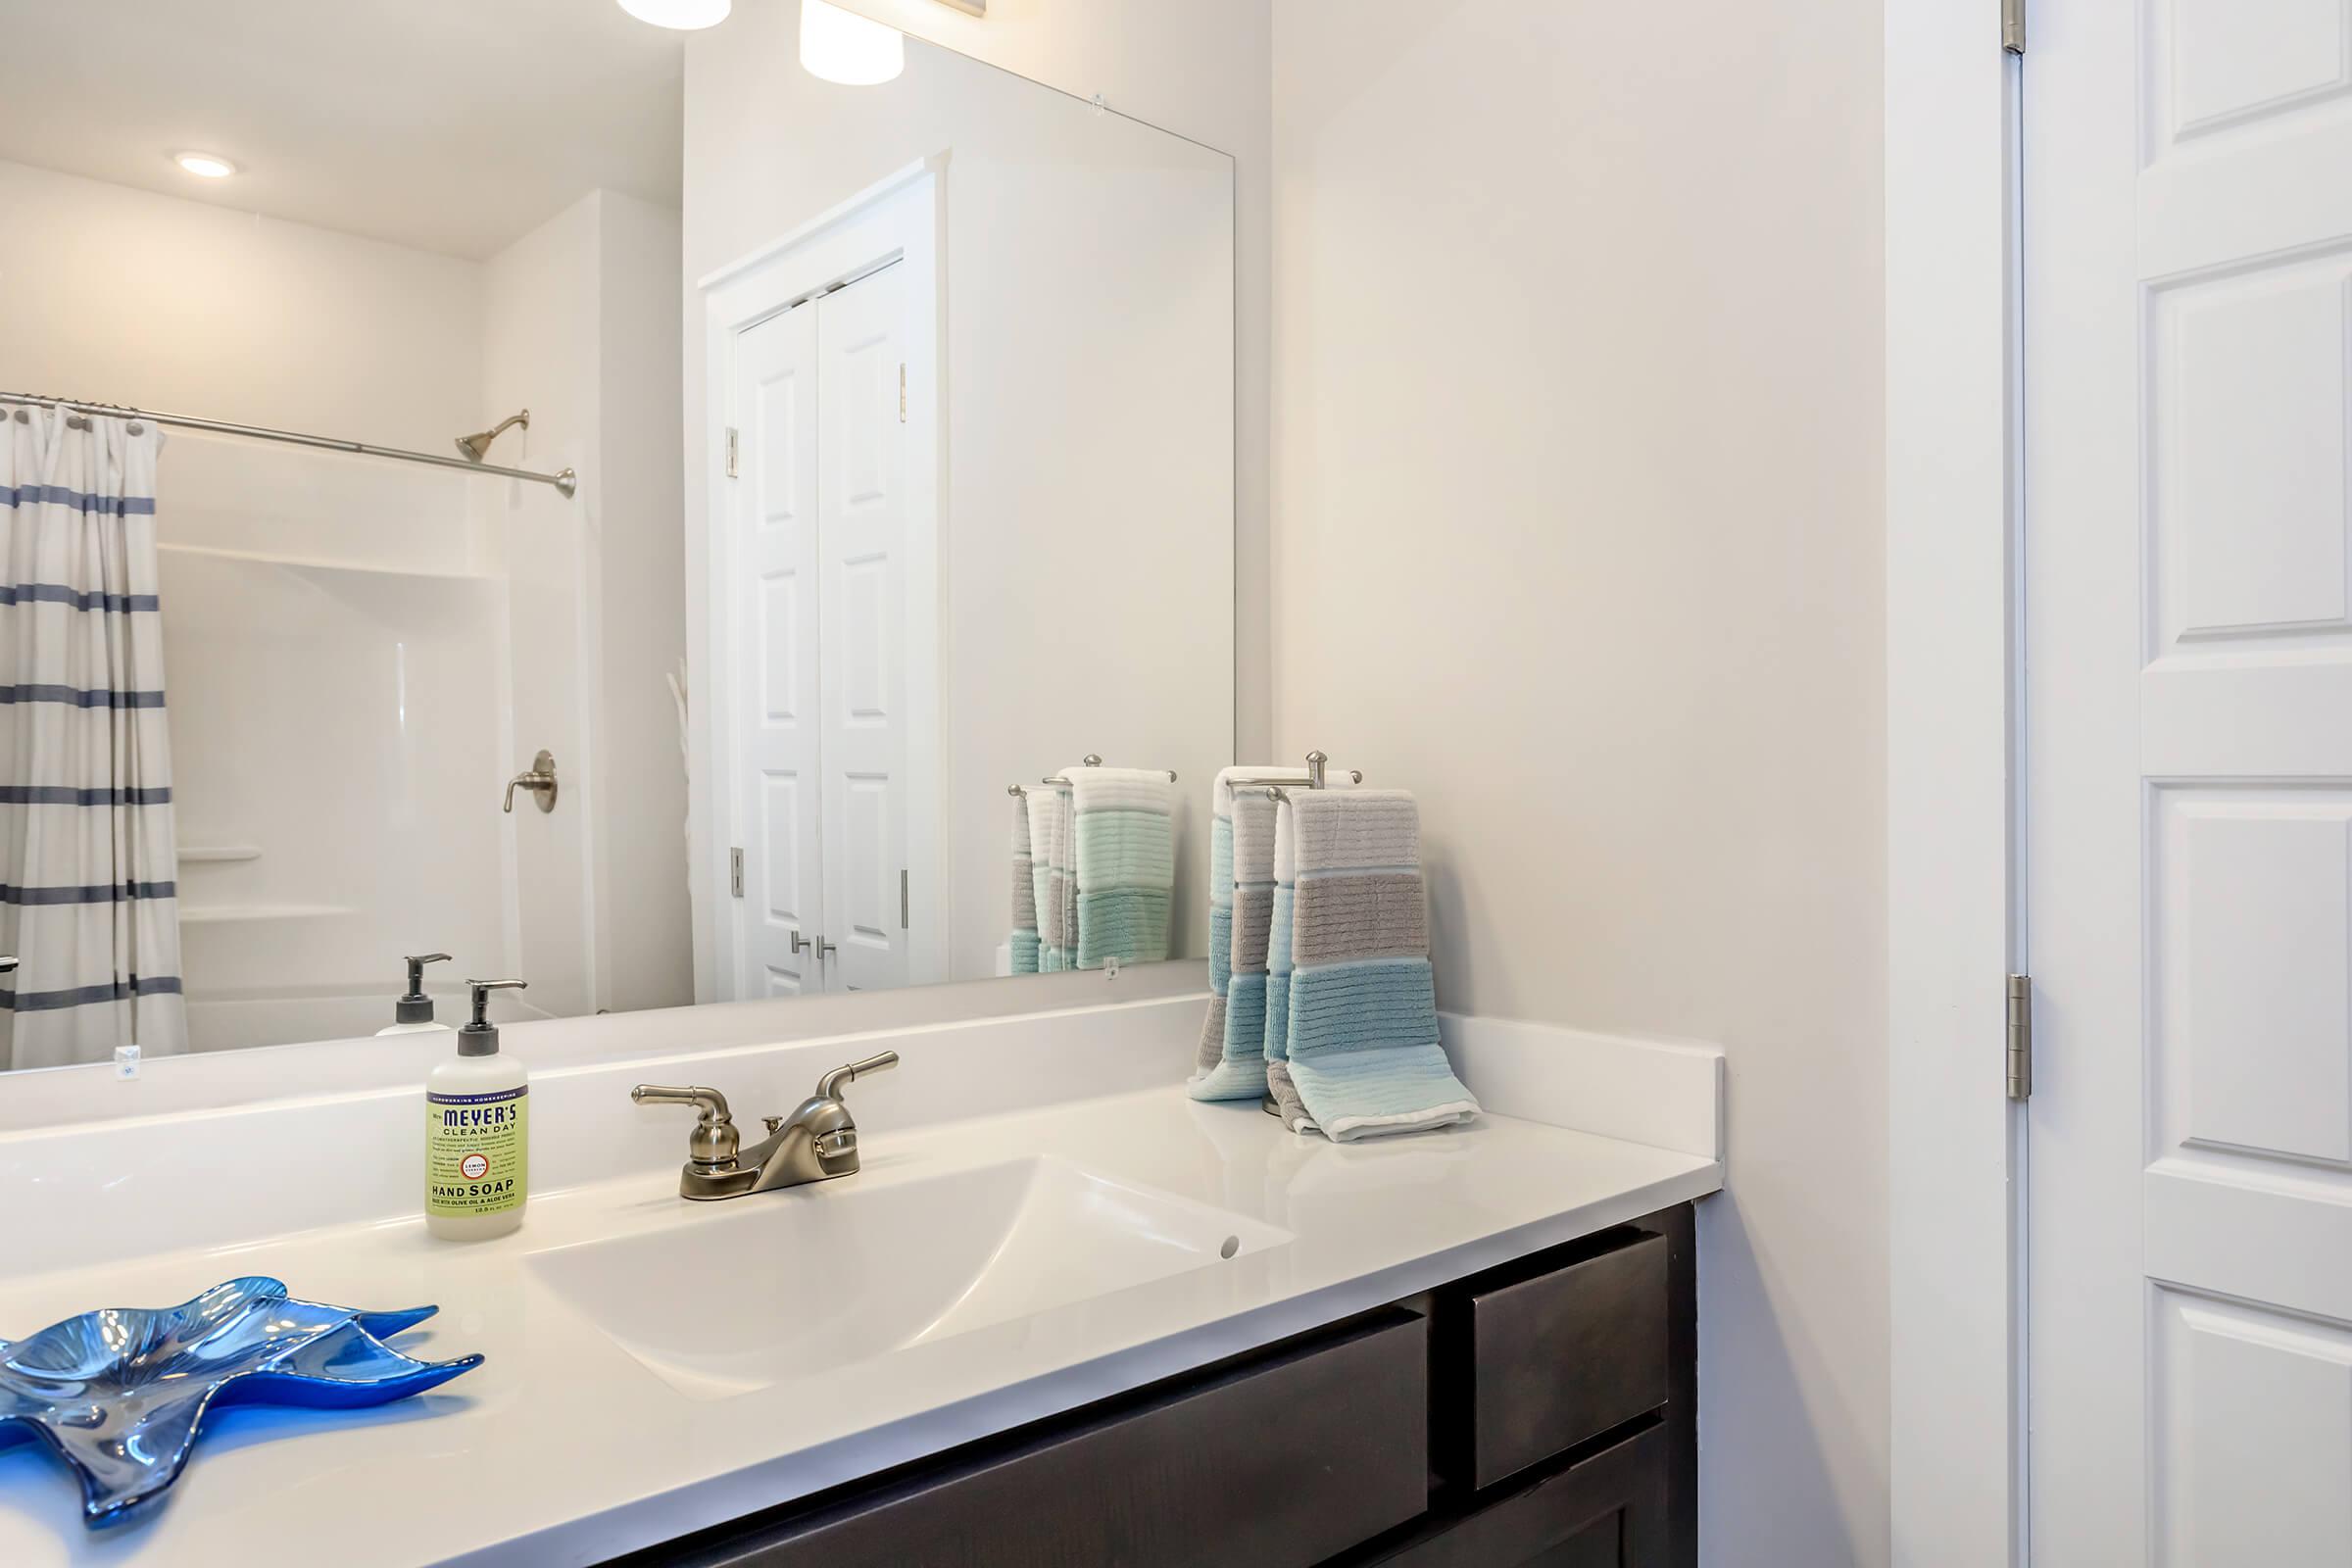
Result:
[[825, 582]]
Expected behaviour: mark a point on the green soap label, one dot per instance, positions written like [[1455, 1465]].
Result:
[[477, 1151]]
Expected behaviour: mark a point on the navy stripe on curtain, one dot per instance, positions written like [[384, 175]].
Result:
[[67, 795], [57, 592], [90, 893], [85, 995], [57, 495], [79, 697]]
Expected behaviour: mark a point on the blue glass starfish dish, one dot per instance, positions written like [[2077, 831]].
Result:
[[120, 1394]]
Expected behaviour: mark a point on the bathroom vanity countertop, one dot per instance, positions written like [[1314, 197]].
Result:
[[565, 1447]]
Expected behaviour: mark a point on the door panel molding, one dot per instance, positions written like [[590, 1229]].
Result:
[[1954, 1157]]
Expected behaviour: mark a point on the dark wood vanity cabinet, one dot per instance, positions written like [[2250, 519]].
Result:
[[1537, 1415]]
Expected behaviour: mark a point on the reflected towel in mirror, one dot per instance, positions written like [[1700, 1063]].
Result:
[[1122, 863]]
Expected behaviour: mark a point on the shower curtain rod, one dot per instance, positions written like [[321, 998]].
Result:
[[565, 481]]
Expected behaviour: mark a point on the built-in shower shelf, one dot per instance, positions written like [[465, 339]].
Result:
[[220, 853], [311, 564], [228, 914]]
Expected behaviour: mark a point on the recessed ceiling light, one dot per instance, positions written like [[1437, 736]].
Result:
[[211, 165], [842, 46], [687, 15]]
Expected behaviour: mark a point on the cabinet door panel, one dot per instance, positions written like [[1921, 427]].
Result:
[[1608, 1511], [1280, 1462]]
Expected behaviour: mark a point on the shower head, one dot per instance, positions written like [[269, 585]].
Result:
[[476, 446]]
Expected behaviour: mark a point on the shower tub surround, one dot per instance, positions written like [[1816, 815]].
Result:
[[643, 1378]]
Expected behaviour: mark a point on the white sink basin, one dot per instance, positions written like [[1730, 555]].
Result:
[[835, 1272]]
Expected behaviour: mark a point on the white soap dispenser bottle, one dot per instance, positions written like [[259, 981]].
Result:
[[478, 1137], [412, 1013]]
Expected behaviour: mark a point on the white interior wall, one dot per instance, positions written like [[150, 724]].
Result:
[[648, 958], [1577, 489], [122, 296], [540, 349], [1087, 562], [579, 324], [1203, 69]]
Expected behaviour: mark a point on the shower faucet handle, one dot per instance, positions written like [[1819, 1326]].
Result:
[[539, 779]]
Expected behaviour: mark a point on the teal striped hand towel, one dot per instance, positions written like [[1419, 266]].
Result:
[[1278, 972], [1231, 1061], [1024, 893], [1122, 864], [1360, 1045]]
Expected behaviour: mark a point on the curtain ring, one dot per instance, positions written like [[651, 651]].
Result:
[[136, 428], [74, 422]]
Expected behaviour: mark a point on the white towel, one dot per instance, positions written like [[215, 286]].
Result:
[[1049, 809]]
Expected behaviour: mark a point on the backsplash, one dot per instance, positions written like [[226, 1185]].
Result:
[[78, 1197]]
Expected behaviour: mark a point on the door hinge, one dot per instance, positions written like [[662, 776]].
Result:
[[903, 923], [901, 394], [735, 872], [734, 452], [2021, 1037], [2013, 26]]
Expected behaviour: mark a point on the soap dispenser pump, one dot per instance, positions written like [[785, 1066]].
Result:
[[412, 1013], [477, 1142]]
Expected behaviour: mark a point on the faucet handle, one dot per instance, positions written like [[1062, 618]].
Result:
[[829, 1086], [714, 1140], [712, 1102]]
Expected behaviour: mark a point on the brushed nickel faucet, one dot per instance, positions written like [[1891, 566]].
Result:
[[816, 1142]]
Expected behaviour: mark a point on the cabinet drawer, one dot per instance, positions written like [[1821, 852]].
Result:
[[1540, 1364], [1275, 1462]]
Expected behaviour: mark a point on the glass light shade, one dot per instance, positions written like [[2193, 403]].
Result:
[[855, 51], [686, 15]]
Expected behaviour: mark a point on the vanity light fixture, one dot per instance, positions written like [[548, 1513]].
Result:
[[842, 46], [687, 15], [209, 166]]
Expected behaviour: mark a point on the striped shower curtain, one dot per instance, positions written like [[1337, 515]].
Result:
[[88, 905]]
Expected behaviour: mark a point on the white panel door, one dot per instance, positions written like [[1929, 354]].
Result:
[[862, 532], [777, 788], [2188, 756]]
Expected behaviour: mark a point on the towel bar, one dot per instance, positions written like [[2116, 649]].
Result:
[[1316, 763], [1092, 760]]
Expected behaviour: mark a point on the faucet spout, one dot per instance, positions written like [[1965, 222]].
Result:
[[829, 1086]]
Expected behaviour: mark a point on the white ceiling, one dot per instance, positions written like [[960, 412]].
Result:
[[453, 125]]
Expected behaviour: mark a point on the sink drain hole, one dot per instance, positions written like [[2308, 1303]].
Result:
[[1232, 1245]]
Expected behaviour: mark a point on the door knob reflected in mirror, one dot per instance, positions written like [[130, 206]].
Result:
[[540, 780]]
